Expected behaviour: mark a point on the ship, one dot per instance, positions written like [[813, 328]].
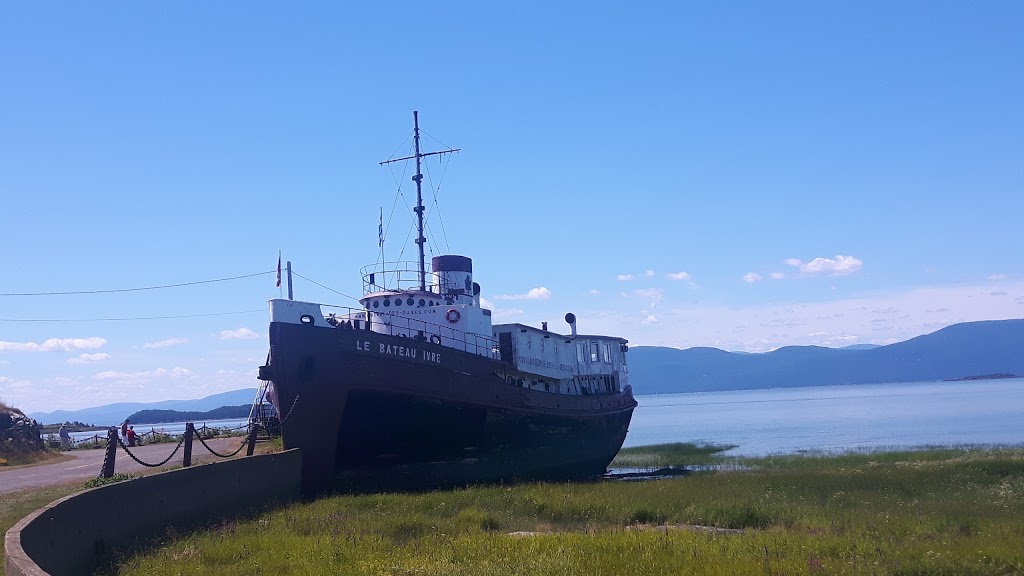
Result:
[[417, 387]]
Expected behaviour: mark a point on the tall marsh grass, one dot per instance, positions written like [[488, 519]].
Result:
[[938, 511]]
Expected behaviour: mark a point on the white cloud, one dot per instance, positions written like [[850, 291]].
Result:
[[838, 266], [51, 344], [624, 277], [649, 273], [679, 276], [540, 293], [654, 293], [997, 277], [497, 312], [593, 291], [144, 375], [502, 313], [751, 277], [649, 319], [778, 275], [240, 334], [5, 380], [877, 318], [165, 343], [88, 358]]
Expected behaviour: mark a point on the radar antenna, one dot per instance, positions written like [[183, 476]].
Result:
[[418, 179]]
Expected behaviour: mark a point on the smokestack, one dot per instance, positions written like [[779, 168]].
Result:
[[544, 326], [571, 319]]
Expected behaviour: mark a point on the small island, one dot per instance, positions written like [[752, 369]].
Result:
[[75, 426], [998, 376], [162, 416]]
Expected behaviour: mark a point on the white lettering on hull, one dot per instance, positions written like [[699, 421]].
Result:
[[399, 351]]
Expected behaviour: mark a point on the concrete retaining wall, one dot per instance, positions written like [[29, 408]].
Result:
[[74, 535]]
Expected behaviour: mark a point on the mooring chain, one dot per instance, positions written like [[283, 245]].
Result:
[[215, 453], [290, 410], [146, 464]]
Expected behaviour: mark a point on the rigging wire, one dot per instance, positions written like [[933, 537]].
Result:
[[127, 319], [136, 289], [324, 287], [437, 207], [411, 132]]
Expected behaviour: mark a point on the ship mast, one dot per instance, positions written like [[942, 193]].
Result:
[[418, 179]]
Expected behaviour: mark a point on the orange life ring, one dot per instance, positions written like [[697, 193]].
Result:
[[452, 315]]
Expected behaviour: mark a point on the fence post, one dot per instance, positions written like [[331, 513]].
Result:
[[251, 440], [189, 431], [110, 454]]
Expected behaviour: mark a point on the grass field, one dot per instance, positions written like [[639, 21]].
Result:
[[937, 511]]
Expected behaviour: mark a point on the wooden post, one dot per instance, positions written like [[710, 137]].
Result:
[[189, 431], [110, 454], [252, 441]]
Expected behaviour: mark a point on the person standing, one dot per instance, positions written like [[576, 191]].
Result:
[[131, 436], [124, 429], [65, 437]]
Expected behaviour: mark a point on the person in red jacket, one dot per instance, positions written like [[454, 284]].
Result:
[[131, 436]]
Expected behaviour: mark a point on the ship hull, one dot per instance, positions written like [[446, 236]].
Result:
[[373, 411]]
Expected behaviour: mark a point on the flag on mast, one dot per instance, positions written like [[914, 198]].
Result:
[[279, 269], [380, 229]]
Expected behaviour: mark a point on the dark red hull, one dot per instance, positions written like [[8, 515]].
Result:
[[377, 411]]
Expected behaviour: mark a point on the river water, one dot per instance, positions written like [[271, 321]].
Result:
[[826, 418], [167, 428], [836, 418]]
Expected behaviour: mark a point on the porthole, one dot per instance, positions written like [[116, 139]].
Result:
[[410, 301], [387, 302], [376, 303], [398, 301], [422, 302], [431, 302]]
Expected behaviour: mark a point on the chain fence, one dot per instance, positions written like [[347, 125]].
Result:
[[113, 441], [215, 453], [147, 464]]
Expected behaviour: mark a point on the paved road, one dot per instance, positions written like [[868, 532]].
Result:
[[88, 463]]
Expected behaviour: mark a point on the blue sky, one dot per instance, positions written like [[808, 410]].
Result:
[[743, 175]]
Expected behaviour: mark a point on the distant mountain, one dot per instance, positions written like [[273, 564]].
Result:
[[862, 346], [114, 414], [957, 351]]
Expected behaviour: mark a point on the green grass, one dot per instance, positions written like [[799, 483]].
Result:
[[16, 505], [663, 455], [937, 511]]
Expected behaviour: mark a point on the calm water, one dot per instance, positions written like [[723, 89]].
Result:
[[168, 427], [835, 418], [828, 418]]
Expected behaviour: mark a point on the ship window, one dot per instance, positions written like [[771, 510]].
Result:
[[422, 302], [410, 301], [606, 353], [593, 347], [431, 302], [581, 351], [398, 301], [376, 303], [387, 302]]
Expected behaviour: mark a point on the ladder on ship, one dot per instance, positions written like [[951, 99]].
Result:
[[263, 416]]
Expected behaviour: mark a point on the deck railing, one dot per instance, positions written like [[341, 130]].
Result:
[[401, 275], [414, 328]]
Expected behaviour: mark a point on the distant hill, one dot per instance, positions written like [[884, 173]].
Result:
[[158, 416], [957, 351], [114, 414]]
